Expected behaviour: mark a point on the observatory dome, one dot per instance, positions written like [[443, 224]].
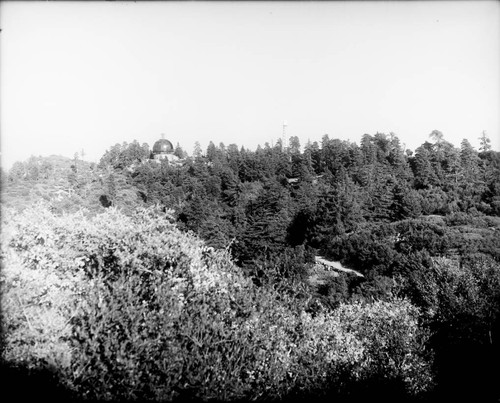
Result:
[[163, 146]]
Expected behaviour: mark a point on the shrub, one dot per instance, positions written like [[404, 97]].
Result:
[[392, 340], [161, 337], [38, 296], [141, 310]]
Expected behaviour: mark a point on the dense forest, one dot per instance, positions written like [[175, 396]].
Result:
[[203, 279]]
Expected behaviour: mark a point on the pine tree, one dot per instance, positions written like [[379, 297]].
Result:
[[179, 152], [472, 186], [211, 152], [423, 169], [437, 136], [368, 149], [406, 202]]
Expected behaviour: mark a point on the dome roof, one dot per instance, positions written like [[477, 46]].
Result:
[[163, 146]]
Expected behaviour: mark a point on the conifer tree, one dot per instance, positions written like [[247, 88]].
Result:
[[423, 169]]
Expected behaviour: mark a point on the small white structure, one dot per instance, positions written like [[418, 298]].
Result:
[[329, 265]]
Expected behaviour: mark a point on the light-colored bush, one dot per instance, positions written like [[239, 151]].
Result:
[[129, 307], [38, 297]]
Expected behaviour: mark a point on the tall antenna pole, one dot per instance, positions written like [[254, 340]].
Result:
[[285, 124]]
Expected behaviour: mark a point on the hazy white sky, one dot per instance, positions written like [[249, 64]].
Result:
[[88, 75]]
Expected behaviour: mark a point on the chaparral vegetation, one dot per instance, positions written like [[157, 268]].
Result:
[[211, 277]]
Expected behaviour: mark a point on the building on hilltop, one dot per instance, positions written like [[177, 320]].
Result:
[[163, 149]]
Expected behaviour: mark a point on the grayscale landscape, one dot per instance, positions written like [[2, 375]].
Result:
[[250, 201]]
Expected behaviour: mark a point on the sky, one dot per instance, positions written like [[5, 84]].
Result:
[[87, 75]]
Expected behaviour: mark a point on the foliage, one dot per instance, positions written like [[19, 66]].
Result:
[[462, 301], [40, 288], [141, 310], [116, 244]]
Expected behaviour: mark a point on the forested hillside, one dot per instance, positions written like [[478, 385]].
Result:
[[421, 229]]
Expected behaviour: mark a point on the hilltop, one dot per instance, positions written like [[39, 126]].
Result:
[[419, 227]]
